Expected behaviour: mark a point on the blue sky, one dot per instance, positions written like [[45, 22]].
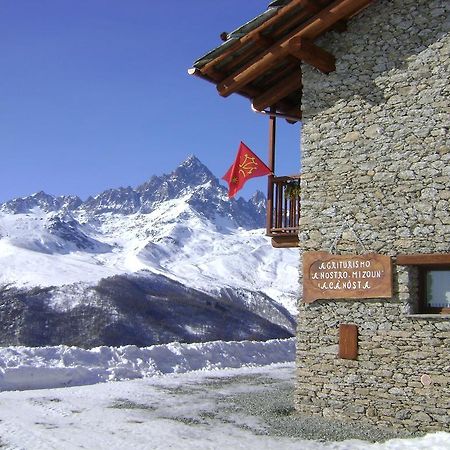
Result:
[[95, 94]]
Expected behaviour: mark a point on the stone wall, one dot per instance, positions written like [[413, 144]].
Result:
[[376, 178]]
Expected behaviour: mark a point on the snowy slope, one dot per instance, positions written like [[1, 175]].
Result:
[[181, 225], [140, 309], [171, 260]]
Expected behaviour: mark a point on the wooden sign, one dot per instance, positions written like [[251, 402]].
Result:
[[327, 276]]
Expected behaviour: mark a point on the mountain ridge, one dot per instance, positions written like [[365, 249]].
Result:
[[191, 178], [121, 267]]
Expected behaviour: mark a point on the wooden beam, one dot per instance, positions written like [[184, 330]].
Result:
[[251, 93], [308, 8], [340, 26], [277, 92], [313, 7], [261, 43], [311, 54], [423, 259], [280, 73], [256, 67], [248, 91], [336, 11], [289, 110], [253, 35]]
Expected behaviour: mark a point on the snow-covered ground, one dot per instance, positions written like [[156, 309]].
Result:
[[178, 411], [185, 400]]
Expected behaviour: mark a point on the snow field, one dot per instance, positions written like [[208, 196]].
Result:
[[172, 411]]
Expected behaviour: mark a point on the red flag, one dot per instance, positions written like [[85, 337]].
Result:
[[246, 165]]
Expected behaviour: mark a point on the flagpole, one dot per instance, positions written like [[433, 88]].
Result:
[[271, 165]]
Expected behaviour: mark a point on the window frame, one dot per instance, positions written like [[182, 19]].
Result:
[[425, 262], [424, 308]]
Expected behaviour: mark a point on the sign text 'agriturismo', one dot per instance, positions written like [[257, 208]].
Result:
[[328, 276]]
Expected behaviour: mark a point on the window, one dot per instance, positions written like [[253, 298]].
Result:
[[435, 289], [434, 280]]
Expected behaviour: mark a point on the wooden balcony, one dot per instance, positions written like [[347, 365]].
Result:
[[283, 211]]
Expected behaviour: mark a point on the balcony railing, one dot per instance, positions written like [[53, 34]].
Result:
[[283, 209]]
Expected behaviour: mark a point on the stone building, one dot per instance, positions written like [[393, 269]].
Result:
[[370, 82]]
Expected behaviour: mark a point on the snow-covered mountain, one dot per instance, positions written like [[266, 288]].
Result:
[[174, 233]]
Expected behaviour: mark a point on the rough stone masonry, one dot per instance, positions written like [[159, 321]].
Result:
[[376, 178]]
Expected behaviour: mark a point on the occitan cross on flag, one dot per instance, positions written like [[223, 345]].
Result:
[[246, 165]]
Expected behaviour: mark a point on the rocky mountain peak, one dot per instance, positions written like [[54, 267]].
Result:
[[45, 202], [258, 197], [120, 200], [259, 201], [193, 172], [191, 181], [184, 180]]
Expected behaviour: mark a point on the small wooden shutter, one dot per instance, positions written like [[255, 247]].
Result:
[[348, 341]]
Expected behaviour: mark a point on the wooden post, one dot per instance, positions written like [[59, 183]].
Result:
[[271, 165]]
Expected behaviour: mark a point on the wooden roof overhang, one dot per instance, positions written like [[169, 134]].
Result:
[[261, 59]]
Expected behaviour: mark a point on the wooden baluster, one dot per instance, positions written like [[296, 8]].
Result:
[[275, 204], [286, 211], [271, 205], [280, 205], [292, 213]]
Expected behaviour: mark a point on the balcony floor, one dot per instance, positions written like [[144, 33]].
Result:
[[285, 241]]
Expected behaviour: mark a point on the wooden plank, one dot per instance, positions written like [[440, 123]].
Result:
[[287, 178], [288, 241], [338, 10], [311, 54], [248, 91], [253, 35], [289, 111], [423, 259], [239, 59], [251, 93], [256, 67], [340, 26], [274, 76], [263, 41], [278, 91], [308, 9], [348, 341]]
